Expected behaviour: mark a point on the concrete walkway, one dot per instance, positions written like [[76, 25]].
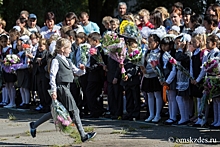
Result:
[[109, 133]]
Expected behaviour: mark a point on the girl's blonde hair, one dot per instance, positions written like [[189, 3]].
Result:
[[106, 20], [43, 41], [202, 40], [144, 12], [60, 44], [164, 12], [3, 23]]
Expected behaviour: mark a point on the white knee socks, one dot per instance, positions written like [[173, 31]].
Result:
[[11, 92], [199, 120], [159, 103], [172, 104], [151, 104], [5, 98], [27, 95], [183, 106], [22, 96]]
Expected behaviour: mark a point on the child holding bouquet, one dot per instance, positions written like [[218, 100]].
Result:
[[169, 71], [182, 98], [23, 76], [61, 74], [81, 57], [131, 83], [151, 84], [9, 78], [95, 76], [199, 56], [213, 75]]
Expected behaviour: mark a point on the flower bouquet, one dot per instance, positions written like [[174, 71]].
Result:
[[111, 43], [115, 48], [212, 66], [178, 65], [154, 62], [128, 29], [135, 56], [61, 117], [84, 52], [211, 83], [93, 52], [11, 63]]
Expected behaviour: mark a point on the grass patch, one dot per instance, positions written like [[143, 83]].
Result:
[[144, 127], [11, 116], [123, 131], [177, 145], [2, 139], [17, 136], [27, 133], [89, 129], [77, 137]]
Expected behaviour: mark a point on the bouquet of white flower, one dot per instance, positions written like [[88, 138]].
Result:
[[11, 63]]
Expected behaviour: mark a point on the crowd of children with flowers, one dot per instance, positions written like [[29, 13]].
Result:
[[170, 58]]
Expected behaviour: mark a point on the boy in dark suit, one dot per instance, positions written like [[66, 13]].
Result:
[[42, 83], [95, 78]]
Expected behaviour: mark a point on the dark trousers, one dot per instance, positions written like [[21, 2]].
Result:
[[42, 87], [93, 92], [132, 94], [83, 83], [115, 99], [75, 91]]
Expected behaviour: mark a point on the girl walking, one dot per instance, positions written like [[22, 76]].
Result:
[[61, 73]]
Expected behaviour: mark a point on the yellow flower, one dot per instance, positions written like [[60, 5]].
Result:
[[124, 24]]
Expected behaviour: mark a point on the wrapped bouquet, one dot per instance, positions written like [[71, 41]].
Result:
[[111, 43], [115, 48], [61, 117], [84, 53], [212, 81], [154, 62], [11, 63]]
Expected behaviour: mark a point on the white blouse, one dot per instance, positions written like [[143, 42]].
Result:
[[55, 67]]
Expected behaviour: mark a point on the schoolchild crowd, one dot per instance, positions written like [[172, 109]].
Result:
[[191, 39]]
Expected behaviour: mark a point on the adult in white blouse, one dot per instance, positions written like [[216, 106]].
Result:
[[50, 28]]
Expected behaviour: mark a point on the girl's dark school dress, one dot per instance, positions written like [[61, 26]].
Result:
[[196, 90], [166, 71], [23, 74], [185, 62], [150, 84]]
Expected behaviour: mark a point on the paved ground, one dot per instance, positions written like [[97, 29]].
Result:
[[109, 133]]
